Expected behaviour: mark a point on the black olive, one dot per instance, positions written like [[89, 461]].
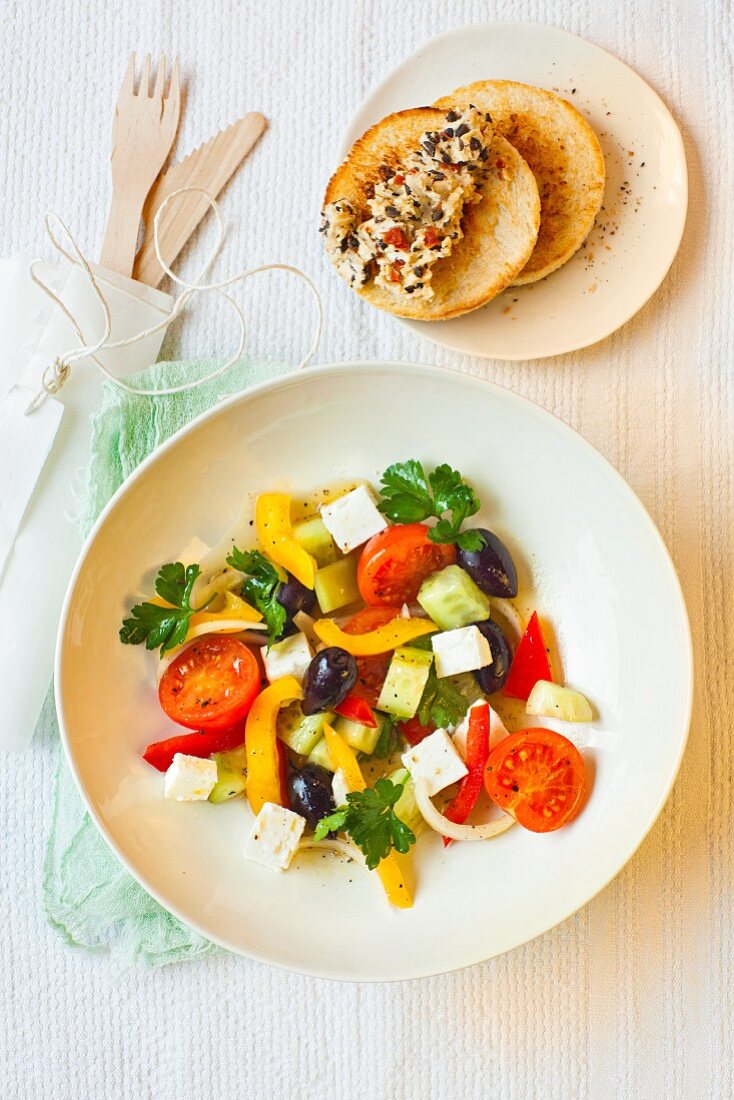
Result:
[[310, 794], [492, 677], [329, 678], [294, 597], [491, 567]]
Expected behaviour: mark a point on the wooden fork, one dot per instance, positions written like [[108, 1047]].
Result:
[[142, 136]]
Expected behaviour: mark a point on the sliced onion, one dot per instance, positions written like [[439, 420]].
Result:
[[253, 636], [450, 829], [305, 623], [227, 580], [510, 614], [222, 626], [332, 844]]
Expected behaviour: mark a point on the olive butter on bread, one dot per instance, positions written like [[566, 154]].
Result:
[[563, 153], [432, 214]]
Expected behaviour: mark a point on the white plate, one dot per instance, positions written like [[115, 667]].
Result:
[[637, 234], [598, 570]]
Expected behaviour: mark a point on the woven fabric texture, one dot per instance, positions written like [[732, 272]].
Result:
[[632, 996]]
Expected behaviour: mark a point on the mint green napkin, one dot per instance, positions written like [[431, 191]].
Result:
[[90, 899]]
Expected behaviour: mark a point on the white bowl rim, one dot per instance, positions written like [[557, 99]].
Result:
[[325, 370]]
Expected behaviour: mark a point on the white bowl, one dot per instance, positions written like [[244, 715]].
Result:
[[639, 229], [600, 573]]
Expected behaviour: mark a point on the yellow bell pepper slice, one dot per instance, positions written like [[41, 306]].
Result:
[[273, 525], [393, 634], [389, 869], [263, 763], [235, 609]]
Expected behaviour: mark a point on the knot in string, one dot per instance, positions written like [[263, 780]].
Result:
[[56, 375], [53, 379]]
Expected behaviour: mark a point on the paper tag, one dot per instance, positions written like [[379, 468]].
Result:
[[47, 543], [25, 442]]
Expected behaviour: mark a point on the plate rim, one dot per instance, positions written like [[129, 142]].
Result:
[[423, 329], [405, 367]]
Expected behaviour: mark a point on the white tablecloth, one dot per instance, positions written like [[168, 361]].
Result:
[[629, 998]]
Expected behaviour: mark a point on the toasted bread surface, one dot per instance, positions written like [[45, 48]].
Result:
[[500, 231], [564, 154]]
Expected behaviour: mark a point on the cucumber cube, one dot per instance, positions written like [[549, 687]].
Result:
[[362, 738], [554, 701], [468, 687], [231, 775], [406, 678], [312, 535], [452, 599], [298, 731], [320, 755], [406, 807], [336, 584]]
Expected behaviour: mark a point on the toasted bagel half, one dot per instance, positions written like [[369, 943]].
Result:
[[564, 154], [500, 231]]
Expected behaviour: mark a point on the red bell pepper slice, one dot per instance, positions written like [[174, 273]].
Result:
[[161, 753], [477, 751], [530, 663], [356, 709], [414, 732]]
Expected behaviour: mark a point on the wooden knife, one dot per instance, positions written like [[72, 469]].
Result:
[[210, 166]]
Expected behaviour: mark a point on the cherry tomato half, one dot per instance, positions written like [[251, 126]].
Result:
[[211, 685], [395, 563], [371, 671], [539, 777], [414, 731]]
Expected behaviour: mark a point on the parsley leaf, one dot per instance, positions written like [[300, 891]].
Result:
[[407, 498], [370, 820], [410, 497], [166, 627], [441, 702], [334, 823], [261, 586]]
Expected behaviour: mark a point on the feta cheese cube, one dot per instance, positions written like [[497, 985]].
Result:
[[291, 657], [190, 779], [274, 837], [461, 650], [339, 788], [353, 519], [435, 762]]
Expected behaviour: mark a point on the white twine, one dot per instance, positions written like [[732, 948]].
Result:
[[56, 375]]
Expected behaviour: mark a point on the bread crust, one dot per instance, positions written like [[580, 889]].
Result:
[[564, 154], [500, 231]]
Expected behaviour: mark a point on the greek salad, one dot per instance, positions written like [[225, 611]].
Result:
[[344, 674]]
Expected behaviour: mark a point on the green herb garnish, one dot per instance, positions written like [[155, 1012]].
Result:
[[441, 702], [370, 820], [261, 586], [166, 627], [410, 497]]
